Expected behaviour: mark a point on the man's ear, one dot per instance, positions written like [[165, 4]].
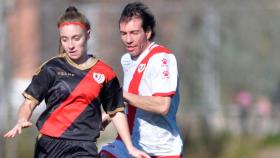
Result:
[[148, 33]]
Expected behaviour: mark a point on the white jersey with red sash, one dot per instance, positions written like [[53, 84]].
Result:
[[154, 73]]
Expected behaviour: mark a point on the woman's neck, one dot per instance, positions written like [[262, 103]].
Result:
[[82, 60]]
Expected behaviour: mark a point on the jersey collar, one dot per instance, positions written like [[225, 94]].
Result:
[[92, 62], [146, 52]]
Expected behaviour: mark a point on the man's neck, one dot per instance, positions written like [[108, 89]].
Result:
[[148, 44]]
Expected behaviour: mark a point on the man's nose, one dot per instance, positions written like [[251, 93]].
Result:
[[129, 39]]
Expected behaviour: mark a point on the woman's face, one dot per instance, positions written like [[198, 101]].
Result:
[[73, 39]]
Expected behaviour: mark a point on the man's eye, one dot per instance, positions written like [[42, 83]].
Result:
[[64, 39], [122, 33], [135, 32]]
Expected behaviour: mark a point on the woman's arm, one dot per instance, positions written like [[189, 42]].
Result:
[[106, 120], [120, 121], [24, 115]]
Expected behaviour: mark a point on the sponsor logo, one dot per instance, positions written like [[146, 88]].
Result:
[[98, 77], [126, 62], [63, 73], [141, 68]]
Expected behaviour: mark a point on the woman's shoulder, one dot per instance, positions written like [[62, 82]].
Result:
[[50, 63], [55, 59], [103, 65], [102, 68]]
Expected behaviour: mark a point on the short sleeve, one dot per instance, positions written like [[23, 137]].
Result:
[[38, 88], [164, 74], [112, 96]]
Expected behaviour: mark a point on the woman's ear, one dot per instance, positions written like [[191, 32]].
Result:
[[88, 34]]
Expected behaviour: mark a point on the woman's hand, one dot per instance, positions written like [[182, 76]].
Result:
[[105, 121], [135, 153], [17, 129], [24, 114]]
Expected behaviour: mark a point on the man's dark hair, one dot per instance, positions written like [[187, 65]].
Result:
[[139, 10]]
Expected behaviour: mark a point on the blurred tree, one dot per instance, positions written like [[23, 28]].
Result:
[[221, 46], [4, 76], [210, 84]]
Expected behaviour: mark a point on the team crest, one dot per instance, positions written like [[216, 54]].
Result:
[[98, 77], [141, 68]]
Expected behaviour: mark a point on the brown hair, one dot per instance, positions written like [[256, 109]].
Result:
[[139, 10], [72, 15]]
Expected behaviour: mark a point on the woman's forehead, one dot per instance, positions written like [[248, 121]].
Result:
[[71, 29]]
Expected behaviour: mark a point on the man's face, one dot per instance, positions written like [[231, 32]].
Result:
[[134, 37], [73, 39]]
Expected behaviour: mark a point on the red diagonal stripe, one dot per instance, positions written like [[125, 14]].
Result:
[[73, 106], [135, 82], [177, 156]]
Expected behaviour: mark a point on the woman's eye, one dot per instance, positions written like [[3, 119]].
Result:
[[77, 38]]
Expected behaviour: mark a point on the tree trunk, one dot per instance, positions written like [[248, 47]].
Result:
[[210, 87]]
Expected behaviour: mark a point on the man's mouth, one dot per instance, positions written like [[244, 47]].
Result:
[[130, 48]]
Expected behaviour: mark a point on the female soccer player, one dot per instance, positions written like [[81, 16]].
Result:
[[74, 85]]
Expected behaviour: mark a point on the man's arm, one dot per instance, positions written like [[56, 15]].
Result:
[[120, 121], [156, 104]]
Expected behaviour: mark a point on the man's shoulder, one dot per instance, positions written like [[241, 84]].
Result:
[[125, 58], [160, 49], [162, 59]]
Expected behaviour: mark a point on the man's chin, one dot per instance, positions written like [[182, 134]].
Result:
[[129, 50], [134, 55]]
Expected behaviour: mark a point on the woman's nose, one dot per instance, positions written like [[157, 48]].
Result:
[[70, 44]]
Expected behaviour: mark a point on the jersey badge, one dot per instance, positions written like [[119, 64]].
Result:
[[141, 68], [98, 77]]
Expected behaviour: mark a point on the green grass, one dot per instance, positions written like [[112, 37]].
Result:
[[272, 140], [205, 145]]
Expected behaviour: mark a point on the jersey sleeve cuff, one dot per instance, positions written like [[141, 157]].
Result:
[[120, 109], [30, 97], [168, 94]]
